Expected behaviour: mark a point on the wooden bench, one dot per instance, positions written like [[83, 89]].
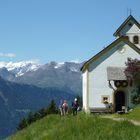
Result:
[[120, 112], [100, 110]]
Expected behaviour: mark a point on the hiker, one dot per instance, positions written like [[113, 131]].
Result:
[[65, 107], [75, 106], [61, 108]]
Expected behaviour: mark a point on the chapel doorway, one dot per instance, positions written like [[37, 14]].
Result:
[[119, 100]]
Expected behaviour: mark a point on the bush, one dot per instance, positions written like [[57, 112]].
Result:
[[132, 73], [136, 99], [133, 69]]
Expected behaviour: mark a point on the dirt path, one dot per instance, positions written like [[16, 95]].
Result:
[[122, 119]]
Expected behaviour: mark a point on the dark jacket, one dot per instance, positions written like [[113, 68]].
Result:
[[75, 105]]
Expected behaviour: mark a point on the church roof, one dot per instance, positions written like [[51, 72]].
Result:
[[116, 73], [98, 55], [130, 18]]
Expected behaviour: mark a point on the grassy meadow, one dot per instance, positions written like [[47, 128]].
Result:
[[133, 115], [80, 127]]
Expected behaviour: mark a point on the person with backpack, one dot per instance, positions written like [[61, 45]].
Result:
[[65, 107], [75, 106], [61, 108]]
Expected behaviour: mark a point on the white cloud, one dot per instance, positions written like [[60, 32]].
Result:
[[11, 55], [75, 61]]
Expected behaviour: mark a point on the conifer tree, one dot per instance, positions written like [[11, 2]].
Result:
[[52, 109], [22, 124]]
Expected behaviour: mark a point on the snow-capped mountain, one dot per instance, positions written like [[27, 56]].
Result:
[[72, 66], [20, 68], [64, 75]]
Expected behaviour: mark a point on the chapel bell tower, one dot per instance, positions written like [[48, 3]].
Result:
[[131, 29]]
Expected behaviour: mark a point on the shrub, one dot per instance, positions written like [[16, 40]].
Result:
[[132, 73]]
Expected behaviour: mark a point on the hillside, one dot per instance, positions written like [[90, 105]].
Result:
[[81, 127], [16, 100]]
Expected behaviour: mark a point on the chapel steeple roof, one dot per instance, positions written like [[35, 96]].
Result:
[[127, 21]]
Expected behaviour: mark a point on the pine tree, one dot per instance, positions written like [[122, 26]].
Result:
[[42, 112], [22, 124], [30, 118], [52, 109]]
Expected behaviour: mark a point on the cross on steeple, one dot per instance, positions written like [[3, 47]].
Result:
[[129, 12]]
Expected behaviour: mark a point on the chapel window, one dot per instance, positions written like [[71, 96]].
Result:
[[136, 40], [105, 99]]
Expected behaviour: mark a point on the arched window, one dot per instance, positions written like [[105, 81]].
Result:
[[136, 40]]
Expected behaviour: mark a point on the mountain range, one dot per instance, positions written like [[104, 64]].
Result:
[[65, 75], [28, 86], [20, 68]]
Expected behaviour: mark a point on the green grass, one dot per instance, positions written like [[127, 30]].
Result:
[[81, 127], [133, 115]]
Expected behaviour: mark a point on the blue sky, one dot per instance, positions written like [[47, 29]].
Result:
[[59, 30]]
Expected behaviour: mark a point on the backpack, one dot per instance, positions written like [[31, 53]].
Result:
[[65, 105]]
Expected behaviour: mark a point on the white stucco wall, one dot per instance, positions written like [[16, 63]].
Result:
[[97, 76], [85, 89]]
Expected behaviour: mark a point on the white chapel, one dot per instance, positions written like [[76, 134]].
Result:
[[104, 82]]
